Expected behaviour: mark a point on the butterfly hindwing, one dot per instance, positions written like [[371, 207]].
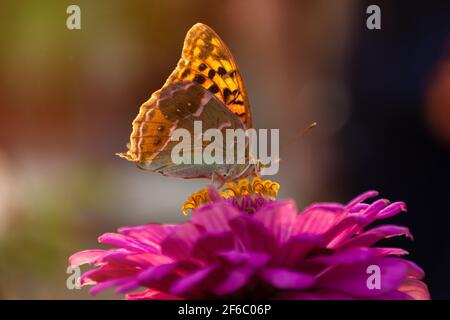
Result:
[[177, 107]]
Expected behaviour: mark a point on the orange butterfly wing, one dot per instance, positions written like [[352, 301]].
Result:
[[208, 61], [205, 60]]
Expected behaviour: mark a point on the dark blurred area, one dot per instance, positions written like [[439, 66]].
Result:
[[398, 141], [67, 99]]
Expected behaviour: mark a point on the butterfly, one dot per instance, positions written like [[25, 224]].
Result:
[[205, 86]]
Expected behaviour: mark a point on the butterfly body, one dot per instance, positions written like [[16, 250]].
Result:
[[206, 86]]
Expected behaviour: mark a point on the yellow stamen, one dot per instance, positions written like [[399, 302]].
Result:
[[265, 188]]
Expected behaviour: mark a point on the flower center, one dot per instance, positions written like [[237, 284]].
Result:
[[242, 191]]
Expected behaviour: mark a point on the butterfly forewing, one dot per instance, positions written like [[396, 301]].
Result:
[[207, 61]]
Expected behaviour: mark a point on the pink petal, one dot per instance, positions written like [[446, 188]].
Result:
[[253, 259], [207, 247], [190, 282], [414, 270], [107, 272], [122, 241], [349, 256], [392, 295], [325, 206], [145, 260], [371, 212], [352, 279], [279, 218], [358, 208], [117, 257], [389, 252], [252, 235], [235, 280], [128, 286], [178, 245], [343, 230], [317, 220], [362, 197], [215, 217], [391, 210], [286, 279], [108, 284], [416, 289], [87, 256], [214, 193], [151, 234], [370, 237], [151, 294], [164, 276], [296, 248]]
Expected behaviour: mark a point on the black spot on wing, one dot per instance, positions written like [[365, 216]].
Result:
[[185, 73], [221, 71], [226, 94], [213, 88], [199, 79], [211, 74]]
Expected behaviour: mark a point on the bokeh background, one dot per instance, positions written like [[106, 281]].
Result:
[[67, 99]]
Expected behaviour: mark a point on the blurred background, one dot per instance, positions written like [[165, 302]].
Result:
[[67, 99]]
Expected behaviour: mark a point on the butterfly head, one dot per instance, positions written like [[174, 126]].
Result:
[[243, 171], [258, 167]]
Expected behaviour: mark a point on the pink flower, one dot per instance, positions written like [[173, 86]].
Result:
[[255, 248]]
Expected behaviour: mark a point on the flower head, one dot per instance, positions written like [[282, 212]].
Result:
[[251, 246], [245, 195]]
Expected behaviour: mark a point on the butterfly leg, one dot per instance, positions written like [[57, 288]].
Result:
[[217, 180]]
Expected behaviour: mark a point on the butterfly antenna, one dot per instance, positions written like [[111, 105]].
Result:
[[298, 136]]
